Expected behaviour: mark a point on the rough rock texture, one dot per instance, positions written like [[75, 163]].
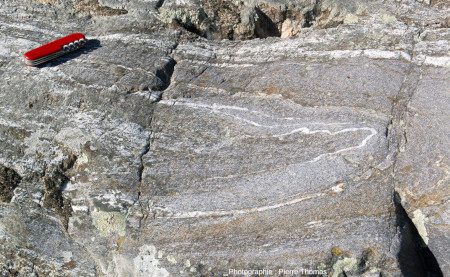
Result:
[[192, 137]]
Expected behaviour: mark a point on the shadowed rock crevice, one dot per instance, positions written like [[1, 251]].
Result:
[[192, 28], [155, 81], [165, 74], [54, 182], [311, 15], [414, 257], [264, 26], [9, 179], [159, 4]]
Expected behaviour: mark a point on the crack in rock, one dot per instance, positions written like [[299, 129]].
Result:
[[9, 180]]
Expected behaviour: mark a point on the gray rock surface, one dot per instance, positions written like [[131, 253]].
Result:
[[193, 137]]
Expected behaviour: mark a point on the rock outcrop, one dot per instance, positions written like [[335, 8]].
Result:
[[194, 138]]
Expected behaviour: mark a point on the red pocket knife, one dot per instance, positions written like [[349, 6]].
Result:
[[54, 49]]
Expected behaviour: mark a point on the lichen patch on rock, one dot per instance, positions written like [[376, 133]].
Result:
[[109, 223]]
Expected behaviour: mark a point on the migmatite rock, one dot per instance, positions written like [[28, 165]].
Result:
[[193, 137]]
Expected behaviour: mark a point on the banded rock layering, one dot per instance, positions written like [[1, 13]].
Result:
[[192, 137]]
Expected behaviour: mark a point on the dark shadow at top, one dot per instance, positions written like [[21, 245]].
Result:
[[91, 45], [264, 26]]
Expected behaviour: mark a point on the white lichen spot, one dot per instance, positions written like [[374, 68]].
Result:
[[67, 256], [171, 259], [109, 222], [187, 263], [160, 254], [82, 159], [419, 220], [386, 18], [361, 10], [321, 266], [344, 265], [146, 264], [350, 19]]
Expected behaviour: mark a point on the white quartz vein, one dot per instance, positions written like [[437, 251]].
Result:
[[196, 214], [217, 109]]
